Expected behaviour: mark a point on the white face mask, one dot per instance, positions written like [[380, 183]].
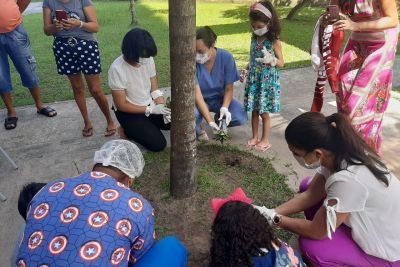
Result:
[[261, 32], [144, 60], [202, 58], [303, 163]]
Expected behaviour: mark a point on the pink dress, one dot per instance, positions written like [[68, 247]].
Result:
[[366, 72]]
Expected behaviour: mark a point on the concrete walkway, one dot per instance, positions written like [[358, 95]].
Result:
[[49, 148]]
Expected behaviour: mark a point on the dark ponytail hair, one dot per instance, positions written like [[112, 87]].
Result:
[[274, 24], [312, 130], [238, 233], [207, 35]]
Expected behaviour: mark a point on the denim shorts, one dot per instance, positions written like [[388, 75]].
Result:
[[74, 55], [16, 45]]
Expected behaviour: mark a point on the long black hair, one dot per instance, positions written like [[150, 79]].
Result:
[[238, 233], [312, 130], [274, 25], [138, 43]]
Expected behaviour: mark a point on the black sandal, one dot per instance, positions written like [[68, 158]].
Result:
[[47, 111], [10, 123]]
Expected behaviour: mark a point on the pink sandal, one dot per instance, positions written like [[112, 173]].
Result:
[[262, 148], [250, 145]]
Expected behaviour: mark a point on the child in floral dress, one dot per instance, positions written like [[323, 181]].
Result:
[[263, 87]]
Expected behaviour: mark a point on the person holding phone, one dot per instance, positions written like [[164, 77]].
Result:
[[14, 43], [73, 24]]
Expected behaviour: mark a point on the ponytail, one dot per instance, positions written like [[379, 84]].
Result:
[[312, 130]]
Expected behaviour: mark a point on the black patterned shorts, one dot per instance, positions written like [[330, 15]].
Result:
[[74, 55]]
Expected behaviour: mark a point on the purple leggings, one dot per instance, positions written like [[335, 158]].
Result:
[[341, 250]]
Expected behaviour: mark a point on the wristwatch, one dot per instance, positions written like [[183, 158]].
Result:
[[277, 219]]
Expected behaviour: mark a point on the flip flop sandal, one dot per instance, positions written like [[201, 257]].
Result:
[[87, 132], [110, 132], [47, 111], [10, 123], [250, 145], [262, 148]]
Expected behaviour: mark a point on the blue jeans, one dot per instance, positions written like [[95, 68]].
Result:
[[168, 252], [16, 45], [239, 115]]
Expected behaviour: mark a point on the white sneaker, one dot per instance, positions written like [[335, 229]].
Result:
[[203, 137]]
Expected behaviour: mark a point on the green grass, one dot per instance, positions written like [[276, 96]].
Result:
[[228, 20]]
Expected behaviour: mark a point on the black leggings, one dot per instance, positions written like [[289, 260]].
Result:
[[144, 130]]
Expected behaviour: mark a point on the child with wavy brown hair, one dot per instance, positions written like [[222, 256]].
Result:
[[242, 237]]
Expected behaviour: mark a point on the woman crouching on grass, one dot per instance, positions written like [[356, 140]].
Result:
[[76, 51]]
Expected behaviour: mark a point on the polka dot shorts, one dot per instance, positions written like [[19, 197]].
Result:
[[74, 55]]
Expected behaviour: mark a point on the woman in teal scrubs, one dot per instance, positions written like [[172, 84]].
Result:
[[215, 74]]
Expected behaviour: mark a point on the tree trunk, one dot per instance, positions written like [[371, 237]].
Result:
[[133, 12], [293, 12], [182, 31]]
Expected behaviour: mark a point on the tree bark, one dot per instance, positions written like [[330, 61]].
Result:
[[133, 12], [182, 37], [293, 12]]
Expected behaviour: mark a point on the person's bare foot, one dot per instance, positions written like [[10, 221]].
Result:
[[262, 146], [110, 130], [88, 130], [252, 142], [121, 133]]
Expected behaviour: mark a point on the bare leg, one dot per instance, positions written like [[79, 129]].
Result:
[[7, 99], [94, 85], [78, 87], [254, 127], [264, 141], [35, 92]]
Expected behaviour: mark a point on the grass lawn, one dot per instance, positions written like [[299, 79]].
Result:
[[227, 19], [220, 169]]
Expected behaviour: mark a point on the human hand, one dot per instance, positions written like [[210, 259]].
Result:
[[243, 75], [159, 109], [159, 100], [167, 118], [59, 26], [346, 24], [214, 127], [267, 59], [70, 23], [269, 214], [224, 112]]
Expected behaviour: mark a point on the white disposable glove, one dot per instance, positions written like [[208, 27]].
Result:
[[167, 118], [269, 214], [224, 112], [214, 127], [157, 109], [268, 58]]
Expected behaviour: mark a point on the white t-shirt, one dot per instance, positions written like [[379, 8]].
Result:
[[373, 209], [134, 80]]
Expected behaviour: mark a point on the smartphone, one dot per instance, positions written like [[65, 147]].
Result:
[[61, 14]]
